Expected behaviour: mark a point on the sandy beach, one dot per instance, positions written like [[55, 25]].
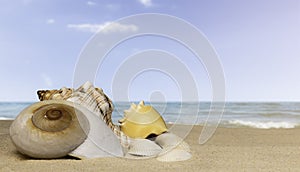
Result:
[[230, 149]]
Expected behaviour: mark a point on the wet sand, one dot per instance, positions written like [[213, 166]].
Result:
[[230, 149]]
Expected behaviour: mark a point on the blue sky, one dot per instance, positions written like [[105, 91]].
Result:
[[258, 43]]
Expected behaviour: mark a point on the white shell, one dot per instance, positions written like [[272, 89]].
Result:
[[101, 141], [170, 140], [174, 155], [144, 148], [174, 148]]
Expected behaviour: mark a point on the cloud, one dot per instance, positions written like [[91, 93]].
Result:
[[107, 27], [50, 21], [112, 7], [47, 80], [146, 3], [91, 3]]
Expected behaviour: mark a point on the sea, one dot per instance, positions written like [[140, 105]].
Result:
[[263, 115]]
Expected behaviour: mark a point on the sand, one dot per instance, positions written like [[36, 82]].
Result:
[[230, 149]]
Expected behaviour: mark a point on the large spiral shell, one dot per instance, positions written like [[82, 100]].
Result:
[[49, 129]]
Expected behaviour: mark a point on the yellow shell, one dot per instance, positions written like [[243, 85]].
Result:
[[140, 121]]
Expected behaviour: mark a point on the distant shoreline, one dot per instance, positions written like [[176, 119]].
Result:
[[234, 115]]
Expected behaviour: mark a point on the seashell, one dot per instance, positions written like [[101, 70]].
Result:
[[86, 95], [174, 155], [101, 141], [143, 148], [170, 140], [93, 99], [49, 129], [60, 94], [141, 121], [174, 148], [82, 134]]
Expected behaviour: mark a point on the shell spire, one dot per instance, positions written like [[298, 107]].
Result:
[[142, 103]]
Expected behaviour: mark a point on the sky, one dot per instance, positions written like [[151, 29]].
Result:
[[257, 42]]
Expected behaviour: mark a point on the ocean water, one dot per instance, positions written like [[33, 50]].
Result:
[[236, 114]]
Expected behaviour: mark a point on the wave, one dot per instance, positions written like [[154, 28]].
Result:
[[6, 118], [263, 125]]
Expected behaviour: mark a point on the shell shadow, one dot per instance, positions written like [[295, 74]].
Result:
[[23, 157]]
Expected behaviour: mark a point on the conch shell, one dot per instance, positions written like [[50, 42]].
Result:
[[62, 124], [141, 121], [60, 94]]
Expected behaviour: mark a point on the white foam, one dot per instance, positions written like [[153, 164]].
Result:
[[5, 118], [264, 125]]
